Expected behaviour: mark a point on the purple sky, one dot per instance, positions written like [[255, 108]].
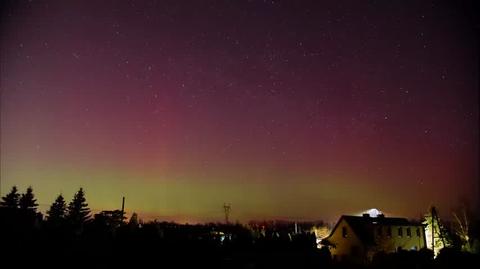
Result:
[[292, 109]]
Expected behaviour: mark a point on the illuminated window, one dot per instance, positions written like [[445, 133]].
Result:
[[409, 232], [344, 232], [400, 232], [389, 231]]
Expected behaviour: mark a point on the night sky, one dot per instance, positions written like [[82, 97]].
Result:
[[284, 109]]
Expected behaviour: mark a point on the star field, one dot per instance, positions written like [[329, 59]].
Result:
[[292, 109]]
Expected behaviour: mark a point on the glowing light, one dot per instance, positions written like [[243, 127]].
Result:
[[373, 212], [321, 232]]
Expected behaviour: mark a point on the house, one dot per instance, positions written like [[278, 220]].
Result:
[[359, 238]]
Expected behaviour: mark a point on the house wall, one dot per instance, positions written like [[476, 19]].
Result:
[[394, 242], [345, 247]]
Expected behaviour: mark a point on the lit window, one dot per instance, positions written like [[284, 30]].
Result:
[[344, 232], [409, 232], [400, 232]]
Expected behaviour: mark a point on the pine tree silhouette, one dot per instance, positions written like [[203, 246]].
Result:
[[27, 201], [78, 211], [133, 222], [11, 200], [57, 212]]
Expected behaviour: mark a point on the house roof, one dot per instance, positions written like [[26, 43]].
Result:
[[363, 226]]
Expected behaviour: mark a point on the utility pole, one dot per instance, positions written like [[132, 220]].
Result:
[[433, 213], [226, 209], [436, 221], [123, 207]]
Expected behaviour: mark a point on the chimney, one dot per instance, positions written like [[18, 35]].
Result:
[[366, 215], [380, 216]]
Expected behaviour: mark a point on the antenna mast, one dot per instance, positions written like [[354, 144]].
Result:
[[226, 209]]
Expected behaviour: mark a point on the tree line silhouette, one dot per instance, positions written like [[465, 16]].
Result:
[[76, 214], [70, 237]]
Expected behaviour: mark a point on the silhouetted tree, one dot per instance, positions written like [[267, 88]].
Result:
[[435, 233], [78, 211], [11, 199], [57, 211], [28, 201], [133, 222], [464, 228]]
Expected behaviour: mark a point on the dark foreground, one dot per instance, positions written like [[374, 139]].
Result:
[[30, 242]]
